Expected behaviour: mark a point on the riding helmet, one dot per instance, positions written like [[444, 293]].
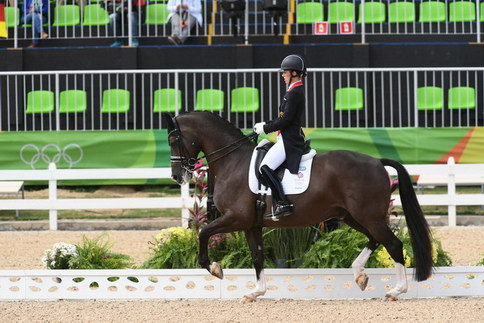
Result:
[[294, 63]]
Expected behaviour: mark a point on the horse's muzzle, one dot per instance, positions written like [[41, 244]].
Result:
[[177, 179]]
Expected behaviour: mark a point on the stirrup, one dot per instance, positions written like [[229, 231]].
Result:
[[283, 210], [279, 210]]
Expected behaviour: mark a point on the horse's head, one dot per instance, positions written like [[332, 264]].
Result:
[[184, 151]]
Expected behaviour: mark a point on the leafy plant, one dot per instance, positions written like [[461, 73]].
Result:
[[96, 254], [339, 248], [480, 263], [336, 249], [238, 253], [175, 247], [289, 245]]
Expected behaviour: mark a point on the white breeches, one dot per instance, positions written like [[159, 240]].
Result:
[[275, 156]]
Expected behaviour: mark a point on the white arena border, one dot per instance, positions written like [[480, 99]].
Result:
[[197, 283]]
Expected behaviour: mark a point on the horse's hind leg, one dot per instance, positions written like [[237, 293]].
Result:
[[358, 264], [256, 245], [382, 233]]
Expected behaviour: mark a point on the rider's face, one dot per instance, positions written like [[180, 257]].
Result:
[[286, 75]]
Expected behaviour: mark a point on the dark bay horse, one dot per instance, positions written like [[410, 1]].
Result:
[[346, 185]]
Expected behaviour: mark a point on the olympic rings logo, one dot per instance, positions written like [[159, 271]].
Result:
[[30, 154]]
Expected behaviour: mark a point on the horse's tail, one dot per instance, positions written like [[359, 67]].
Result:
[[417, 225]]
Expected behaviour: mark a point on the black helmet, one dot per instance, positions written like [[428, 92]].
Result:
[[294, 63]]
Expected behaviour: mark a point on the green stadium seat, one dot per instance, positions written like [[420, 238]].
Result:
[[95, 15], [309, 12], [341, 11], [209, 100], [432, 11], [460, 11], [116, 101], [482, 12], [349, 98], [156, 14], [401, 12], [374, 12], [245, 99], [67, 15], [72, 101], [10, 16], [430, 98], [462, 98], [165, 100], [40, 102]]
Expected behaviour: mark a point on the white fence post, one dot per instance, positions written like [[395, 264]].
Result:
[[52, 197], [185, 213], [451, 192]]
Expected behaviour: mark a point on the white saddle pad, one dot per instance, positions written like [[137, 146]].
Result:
[[292, 183]]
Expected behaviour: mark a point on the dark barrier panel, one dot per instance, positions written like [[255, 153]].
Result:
[[240, 56]]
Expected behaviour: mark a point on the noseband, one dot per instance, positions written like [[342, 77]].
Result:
[[188, 163]]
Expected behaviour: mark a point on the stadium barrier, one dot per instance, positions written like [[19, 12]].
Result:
[[364, 18], [335, 98]]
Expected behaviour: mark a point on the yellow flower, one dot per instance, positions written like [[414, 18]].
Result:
[[435, 250], [180, 232], [384, 258]]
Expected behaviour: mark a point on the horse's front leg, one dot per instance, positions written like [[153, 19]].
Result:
[[224, 224], [256, 245]]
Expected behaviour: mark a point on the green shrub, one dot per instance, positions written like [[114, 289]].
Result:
[[175, 247], [96, 254], [339, 248], [336, 249], [289, 245]]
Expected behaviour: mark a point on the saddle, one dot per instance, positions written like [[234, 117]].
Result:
[[262, 151]]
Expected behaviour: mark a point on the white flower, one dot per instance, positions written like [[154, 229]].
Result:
[[59, 255]]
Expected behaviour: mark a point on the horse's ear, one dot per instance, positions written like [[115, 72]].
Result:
[[169, 121]]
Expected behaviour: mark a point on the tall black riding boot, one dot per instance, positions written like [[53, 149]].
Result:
[[282, 207]]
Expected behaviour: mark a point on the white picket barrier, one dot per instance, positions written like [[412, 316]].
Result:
[[451, 171], [197, 283], [53, 175], [453, 174]]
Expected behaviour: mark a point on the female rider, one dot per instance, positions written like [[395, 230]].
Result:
[[290, 137]]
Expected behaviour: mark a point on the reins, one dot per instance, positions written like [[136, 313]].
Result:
[[240, 142], [189, 163]]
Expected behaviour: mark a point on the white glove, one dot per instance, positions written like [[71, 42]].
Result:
[[259, 127]]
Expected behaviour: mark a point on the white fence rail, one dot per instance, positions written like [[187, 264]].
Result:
[[53, 203], [335, 98], [449, 171], [197, 283]]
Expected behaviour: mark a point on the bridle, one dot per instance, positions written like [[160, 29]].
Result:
[[188, 163]]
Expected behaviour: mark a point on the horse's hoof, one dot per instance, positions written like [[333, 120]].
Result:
[[390, 298], [362, 281], [216, 270], [247, 299]]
